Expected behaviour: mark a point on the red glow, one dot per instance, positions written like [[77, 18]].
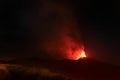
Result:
[[81, 55], [77, 54]]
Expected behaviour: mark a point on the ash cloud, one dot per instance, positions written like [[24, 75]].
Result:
[[56, 29]]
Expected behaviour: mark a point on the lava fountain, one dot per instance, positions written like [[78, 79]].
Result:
[[81, 55], [76, 54]]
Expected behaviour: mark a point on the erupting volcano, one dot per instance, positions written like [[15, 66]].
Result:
[[77, 54], [81, 55], [58, 35]]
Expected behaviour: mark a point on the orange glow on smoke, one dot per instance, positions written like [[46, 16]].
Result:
[[81, 55], [76, 55]]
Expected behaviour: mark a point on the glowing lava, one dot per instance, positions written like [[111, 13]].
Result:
[[81, 55]]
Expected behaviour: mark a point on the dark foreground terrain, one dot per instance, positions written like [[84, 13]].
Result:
[[84, 69]]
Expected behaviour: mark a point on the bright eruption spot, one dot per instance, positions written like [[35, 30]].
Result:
[[81, 55], [77, 54]]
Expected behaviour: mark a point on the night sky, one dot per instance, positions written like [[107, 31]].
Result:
[[23, 21], [101, 32]]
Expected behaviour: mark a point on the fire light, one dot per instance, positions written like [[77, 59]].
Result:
[[81, 55]]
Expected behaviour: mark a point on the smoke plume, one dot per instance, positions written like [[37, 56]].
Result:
[[56, 29]]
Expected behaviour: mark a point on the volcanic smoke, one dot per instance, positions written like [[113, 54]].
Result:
[[57, 33]]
